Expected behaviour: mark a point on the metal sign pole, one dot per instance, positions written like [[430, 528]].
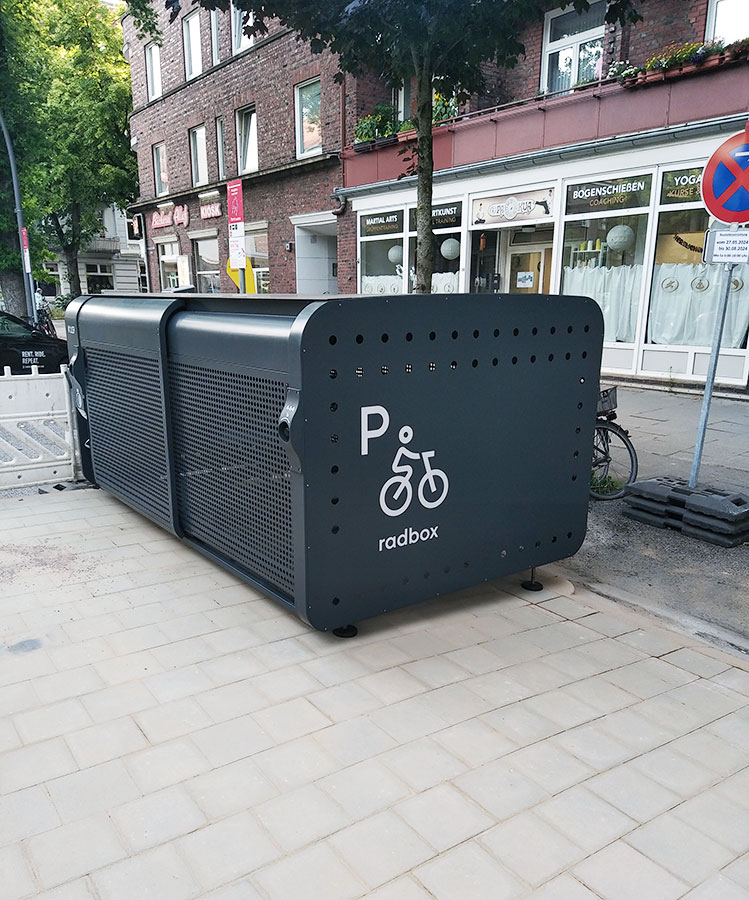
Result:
[[711, 370], [22, 238]]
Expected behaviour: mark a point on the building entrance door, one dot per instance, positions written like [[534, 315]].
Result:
[[529, 270]]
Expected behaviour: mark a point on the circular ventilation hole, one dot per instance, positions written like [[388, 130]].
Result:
[[514, 360], [475, 332], [552, 330], [336, 601], [334, 470], [582, 381], [496, 332], [516, 331], [333, 407], [576, 454], [574, 477], [333, 438], [384, 370], [538, 544], [551, 357], [585, 354], [569, 534], [554, 539], [534, 330], [335, 529], [475, 363], [586, 329], [333, 339], [409, 336], [495, 361], [360, 339], [579, 406], [385, 338], [577, 430], [503, 554], [432, 335], [533, 358], [333, 373], [334, 500], [570, 329], [454, 364], [454, 335], [567, 356]]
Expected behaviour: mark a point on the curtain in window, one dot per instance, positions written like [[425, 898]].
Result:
[[617, 292]]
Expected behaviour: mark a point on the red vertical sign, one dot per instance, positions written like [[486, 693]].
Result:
[[25, 249]]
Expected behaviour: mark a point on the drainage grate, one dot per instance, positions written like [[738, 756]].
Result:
[[123, 394], [233, 476]]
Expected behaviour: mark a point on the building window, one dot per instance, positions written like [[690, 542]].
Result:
[[168, 254], [142, 277], [198, 155], [99, 277], [160, 173], [727, 20], [153, 71], [308, 126], [573, 47], [247, 160], [191, 37], [256, 251], [205, 260], [239, 40], [402, 101], [220, 148], [215, 47]]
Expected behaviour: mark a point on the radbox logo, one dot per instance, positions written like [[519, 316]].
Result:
[[397, 492]]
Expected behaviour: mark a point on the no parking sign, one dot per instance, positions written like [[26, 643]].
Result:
[[725, 182]]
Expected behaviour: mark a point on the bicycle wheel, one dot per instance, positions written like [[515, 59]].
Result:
[[614, 462]]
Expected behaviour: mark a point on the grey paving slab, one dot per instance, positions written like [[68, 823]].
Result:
[[175, 734]]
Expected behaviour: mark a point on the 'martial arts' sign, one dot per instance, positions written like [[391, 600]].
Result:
[[518, 207]]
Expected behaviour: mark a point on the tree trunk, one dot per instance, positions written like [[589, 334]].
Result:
[[424, 177], [14, 295], [71, 264]]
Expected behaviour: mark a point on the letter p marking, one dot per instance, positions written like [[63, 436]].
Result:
[[367, 431]]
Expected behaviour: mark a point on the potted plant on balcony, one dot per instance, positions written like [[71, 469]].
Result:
[[365, 131]]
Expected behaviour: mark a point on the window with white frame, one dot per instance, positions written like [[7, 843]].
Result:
[[215, 47], [573, 47], [198, 155], [247, 159], [153, 71], [220, 148], [191, 40], [308, 125], [168, 254], [256, 252], [402, 101], [99, 277], [727, 20], [239, 40], [160, 173]]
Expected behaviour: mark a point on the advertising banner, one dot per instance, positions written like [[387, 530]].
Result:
[[521, 207]]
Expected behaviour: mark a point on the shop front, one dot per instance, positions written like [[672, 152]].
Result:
[[629, 236]]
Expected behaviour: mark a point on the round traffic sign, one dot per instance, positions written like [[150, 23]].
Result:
[[725, 181]]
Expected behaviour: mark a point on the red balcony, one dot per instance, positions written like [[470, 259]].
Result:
[[592, 113]]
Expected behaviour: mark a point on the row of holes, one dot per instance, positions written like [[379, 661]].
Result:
[[385, 337], [432, 366], [447, 569]]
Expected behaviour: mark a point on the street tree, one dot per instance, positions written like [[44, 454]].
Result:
[[436, 44], [67, 99]]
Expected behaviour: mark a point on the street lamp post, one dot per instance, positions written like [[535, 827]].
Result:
[[27, 286]]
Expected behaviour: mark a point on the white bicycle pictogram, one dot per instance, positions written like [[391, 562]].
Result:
[[397, 492]]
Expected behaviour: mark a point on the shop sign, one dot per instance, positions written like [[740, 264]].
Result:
[[161, 219], [611, 194], [181, 215], [210, 211], [513, 207], [382, 223], [446, 215], [681, 186]]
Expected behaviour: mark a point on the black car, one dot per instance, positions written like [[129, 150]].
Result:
[[23, 346]]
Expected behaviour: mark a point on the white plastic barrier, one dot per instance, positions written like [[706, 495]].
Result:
[[37, 442]]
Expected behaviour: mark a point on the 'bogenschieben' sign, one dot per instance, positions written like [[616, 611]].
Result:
[[614, 193]]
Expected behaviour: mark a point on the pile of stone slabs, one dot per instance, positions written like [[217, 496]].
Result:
[[706, 513]]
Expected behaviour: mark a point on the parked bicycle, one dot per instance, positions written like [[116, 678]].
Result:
[[43, 317], [614, 455]]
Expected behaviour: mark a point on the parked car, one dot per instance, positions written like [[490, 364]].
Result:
[[23, 346]]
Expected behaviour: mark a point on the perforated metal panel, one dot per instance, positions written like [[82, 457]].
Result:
[[126, 420], [233, 477]]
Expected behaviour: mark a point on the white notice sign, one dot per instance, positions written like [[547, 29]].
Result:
[[236, 245], [727, 246]]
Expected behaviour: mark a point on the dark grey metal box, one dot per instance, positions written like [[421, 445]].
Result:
[[347, 456]]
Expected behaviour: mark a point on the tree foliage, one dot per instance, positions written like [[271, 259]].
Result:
[[68, 102], [438, 44]]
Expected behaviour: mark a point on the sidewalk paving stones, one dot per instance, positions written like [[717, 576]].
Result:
[[167, 732]]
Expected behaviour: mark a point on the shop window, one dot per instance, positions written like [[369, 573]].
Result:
[[382, 266], [239, 40], [603, 259], [153, 71], [168, 253], [485, 262], [727, 20], [308, 125], [215, 47], [160, 172], [573, 47], [247, 158], [685, 294], [205, 260], [256, 252], [198, 157], [220, 148], [99, 277], [191, 41]]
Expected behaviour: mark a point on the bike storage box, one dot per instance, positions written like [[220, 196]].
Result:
[[347, 456]]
